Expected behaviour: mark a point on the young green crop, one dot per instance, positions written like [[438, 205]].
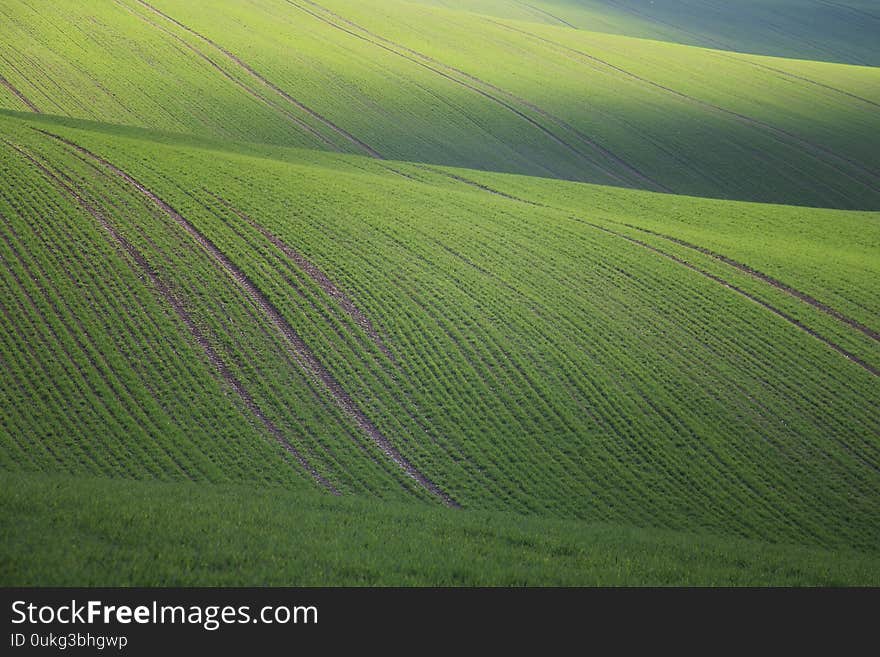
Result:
[[542, 360], [404, 81]]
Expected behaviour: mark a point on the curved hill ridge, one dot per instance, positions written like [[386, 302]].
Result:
[[514, 348], [439, 292], [405, 81], [843, 31]]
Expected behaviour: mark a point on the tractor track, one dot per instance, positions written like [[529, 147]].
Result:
[[543, 12], [794, 76], [6, 83], [726, 260], [773, 309], [779, 285], [302, 125], [317, 275], [435, 66], [298, 348], [278, 90], [742, 118]]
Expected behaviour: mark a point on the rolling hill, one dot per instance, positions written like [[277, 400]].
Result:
[[843, 31], [411, 82], [362, 263]]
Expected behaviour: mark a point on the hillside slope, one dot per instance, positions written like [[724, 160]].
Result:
[[477, 340], [842, 31], [399, 80]]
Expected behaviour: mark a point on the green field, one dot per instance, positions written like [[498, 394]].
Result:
[[428, 84], [438, 254], [229, 535]]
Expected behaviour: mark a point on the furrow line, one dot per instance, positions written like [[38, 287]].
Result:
[[513, 97], [299, 348], [317, 275], [6, 83], [166, 292], [794, 76], [787, 289], [743, 118], [278, 90], [548, 14], [788, 318], [297, 121], [855, 10], [85, 344], [543, 129], [806, 298], [311, 385], [477, 185]]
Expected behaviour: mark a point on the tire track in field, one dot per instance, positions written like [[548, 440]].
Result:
[[513, 97], [167, 293], [548, 14], [6, 83], [773, 309], [299, 349], [432, 65], [794, 76], [655, 19], [722, 258], [481, 186], [238, 83], [742, 118], [610, 155], [317, 275], [266, 82], [779, 285]]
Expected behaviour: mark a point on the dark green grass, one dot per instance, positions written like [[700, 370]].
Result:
[[83, 531], [841, 31], [426, 84]]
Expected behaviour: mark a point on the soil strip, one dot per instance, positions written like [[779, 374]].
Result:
[[779, 285], [318, 276], [742, 118], [278, 90], [295, 120], [6, 83], [300, 351], [421, 60]]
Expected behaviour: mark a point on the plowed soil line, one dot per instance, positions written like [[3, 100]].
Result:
[[398, 49], [6, 83], [166, 292], [299, 350], [788, 318], [802, 296], [742, 118], [392, 47], [278, 90], [793, 76], [779, 285], [302, 125], [318, 276]]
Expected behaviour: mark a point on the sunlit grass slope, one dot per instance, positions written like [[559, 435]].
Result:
[[400, 80], [403, 331]]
